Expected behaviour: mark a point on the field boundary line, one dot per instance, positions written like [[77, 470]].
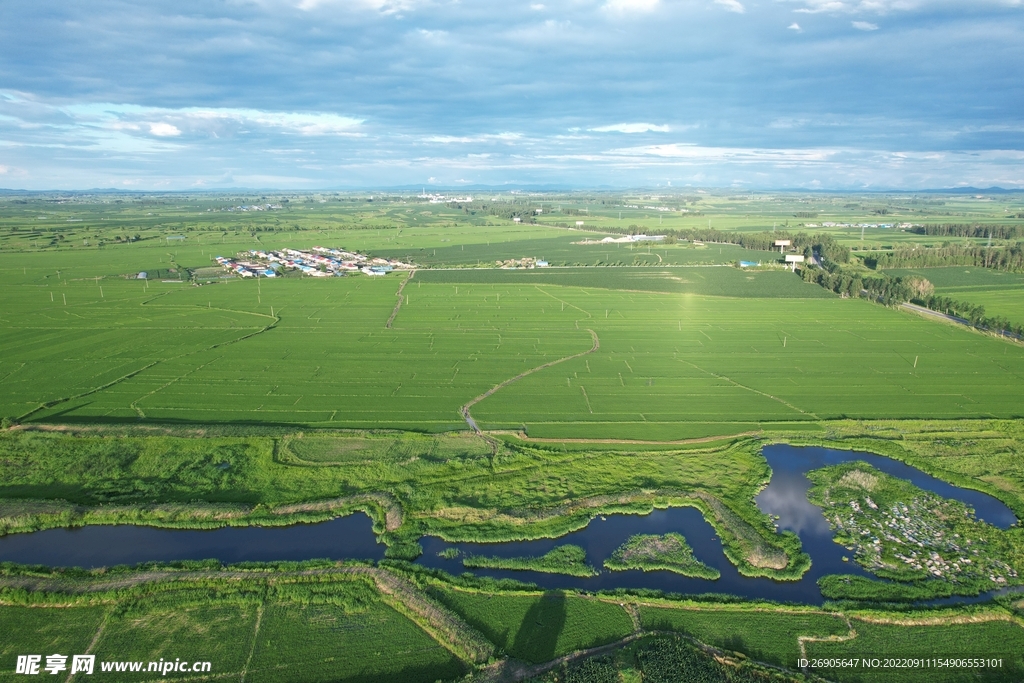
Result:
[[589, 314], [946, 620], [398, 304], [751, 389], [464, 410], [802, 641], [252, 648], [57, 402], [95, 639], [444, 626]]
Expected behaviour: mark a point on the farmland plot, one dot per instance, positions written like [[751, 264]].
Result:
[[690, 359]]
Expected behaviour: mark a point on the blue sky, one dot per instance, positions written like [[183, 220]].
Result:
[[829, 94]]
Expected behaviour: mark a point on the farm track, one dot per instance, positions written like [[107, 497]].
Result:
[[398, 304], [702, 439], [465, 410]]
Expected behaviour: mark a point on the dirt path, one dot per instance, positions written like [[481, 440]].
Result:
[[702, 439], [398, 304], [465, 409]]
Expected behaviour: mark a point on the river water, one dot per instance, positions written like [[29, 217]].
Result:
[[352, 538]]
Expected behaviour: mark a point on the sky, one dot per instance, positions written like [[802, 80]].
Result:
[[334, 94]]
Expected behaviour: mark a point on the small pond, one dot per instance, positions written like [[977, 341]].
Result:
[[352, 538]]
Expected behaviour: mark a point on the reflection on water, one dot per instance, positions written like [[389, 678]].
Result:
[[352, 537], [105, 546], [790, 463]]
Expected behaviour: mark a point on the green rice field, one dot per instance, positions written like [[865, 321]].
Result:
[[769, 636], [318, 353], [1001, 640], [537, 628]]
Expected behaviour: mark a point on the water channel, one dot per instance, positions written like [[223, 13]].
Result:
[[352, 538]]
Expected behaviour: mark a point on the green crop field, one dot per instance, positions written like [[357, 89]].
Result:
[[323, 643], [624, 377], [999, 292], [44, 631], [537, 628], [318, 353], [769, 636], [168, 630], [1002, 640]]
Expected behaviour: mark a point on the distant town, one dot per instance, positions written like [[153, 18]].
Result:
[[318, 262]]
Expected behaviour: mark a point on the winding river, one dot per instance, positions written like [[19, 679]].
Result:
[[352, 538]]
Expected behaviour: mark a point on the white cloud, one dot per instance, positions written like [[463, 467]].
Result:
[[467, 139], [794, 27], [537, 7], [631, 128], [164, 130], [383, 6], [733, 154], [864, 26], [732, 6], [884, 6], [630, 6]]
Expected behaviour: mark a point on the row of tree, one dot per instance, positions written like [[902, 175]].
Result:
[[1000, 232], [890, 291], [1009, 258], [971, 312]]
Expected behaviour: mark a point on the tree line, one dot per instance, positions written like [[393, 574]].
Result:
[[822, 244], [1010, 258], [999, 232], [894, 291]]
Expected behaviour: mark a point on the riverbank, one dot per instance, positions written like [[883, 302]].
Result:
[[425, 623]]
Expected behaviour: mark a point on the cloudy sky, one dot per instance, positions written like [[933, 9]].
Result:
[[761, 94]]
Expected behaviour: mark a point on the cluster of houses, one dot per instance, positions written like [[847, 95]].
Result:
[[444, 199], [918, 535], [830, 224], [527, 262], [255, 207], [625, 239], [318, 262]]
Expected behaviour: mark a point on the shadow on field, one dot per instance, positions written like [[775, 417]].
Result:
[[538, 634]]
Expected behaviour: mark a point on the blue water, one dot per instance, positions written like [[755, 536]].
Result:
[[348, 537], [352, 538]]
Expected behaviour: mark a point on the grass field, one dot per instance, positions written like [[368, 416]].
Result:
[[565, 559], [538, 628], [769, 636]]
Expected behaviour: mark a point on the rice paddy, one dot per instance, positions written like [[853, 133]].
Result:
[[317, 353]]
